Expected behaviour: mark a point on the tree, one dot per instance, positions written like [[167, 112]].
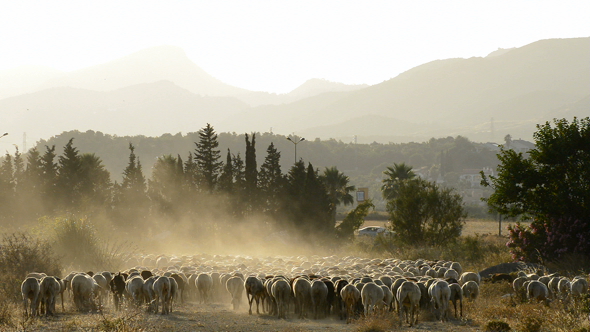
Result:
[[131, 203], [354, 219], [7, 187], [164, 187], [251, 175], [68, 178], [395, 174], [271, 182], [551, 186], [207, 158], [226, 179], [336, 184], [421, 212], [95, 182]]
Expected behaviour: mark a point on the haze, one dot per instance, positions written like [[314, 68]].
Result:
[[275, 46], [354, 71]]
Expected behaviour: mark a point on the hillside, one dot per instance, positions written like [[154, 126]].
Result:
[[160, 90]]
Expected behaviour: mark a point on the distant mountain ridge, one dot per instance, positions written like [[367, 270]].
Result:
[[160, 90]]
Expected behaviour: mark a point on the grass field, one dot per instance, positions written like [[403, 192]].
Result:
[[472, 226]]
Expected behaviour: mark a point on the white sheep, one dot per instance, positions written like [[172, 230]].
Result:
[[134, 287], [469, 276], [30, 293], [440, 295], [281, 292], [49, 288], [470, 290], [302, 293], [204, 284], [350, 296], [538, 291], [83, 288], [161, 289], [319, 298], [456, 295], [408, 295], [579, 287], [371, 296], [235, 287]]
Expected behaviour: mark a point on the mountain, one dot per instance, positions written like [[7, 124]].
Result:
[[24, 79], [160, 90], [316, 86], [142, 109], [513, 89]]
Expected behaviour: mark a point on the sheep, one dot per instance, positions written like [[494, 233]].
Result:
[[302, 293], [161, 289], [319, 297], [134, 287], [371, 295], [387, 297], [457, 267], [456, 295], [451, 274], [103, 286], [578, 287], [148, 291], [470, 290], [235, 287], [254, 291], [469, 276], [351, 296], [49, 288], [173, 292], [181, 281], [204, 284], [339, 305], [538, 291], [408, 295], [30, 293], [83, 290], [117, 286], [440, 295], [281, 292], [563, 287]]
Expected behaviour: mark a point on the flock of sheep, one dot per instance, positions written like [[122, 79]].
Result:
[[282, 286]]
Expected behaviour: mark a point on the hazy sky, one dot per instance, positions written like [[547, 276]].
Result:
[[277, 45]]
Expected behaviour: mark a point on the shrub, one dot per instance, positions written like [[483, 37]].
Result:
[[20, 254], [497, 326], [78, 243]]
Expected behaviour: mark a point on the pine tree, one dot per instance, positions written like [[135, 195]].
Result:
[[131, 203], [238, 204], [94, 182], [207, 158], [271, 182], [316, 203], [68, 179], [49, 176]]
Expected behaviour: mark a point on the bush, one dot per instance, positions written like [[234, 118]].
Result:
[[20, 254], [78, 243], [497, 326]]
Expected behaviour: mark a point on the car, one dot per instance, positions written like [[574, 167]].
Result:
[[373, 231]]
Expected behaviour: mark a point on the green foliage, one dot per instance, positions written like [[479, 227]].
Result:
[[395, 174], [421, 212], [271, 183], [338, 189], [551, 186], [354, 219]]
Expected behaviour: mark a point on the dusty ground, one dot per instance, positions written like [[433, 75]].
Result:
[[220, 317]]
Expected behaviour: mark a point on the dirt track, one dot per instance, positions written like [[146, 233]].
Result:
[[213, 317]]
